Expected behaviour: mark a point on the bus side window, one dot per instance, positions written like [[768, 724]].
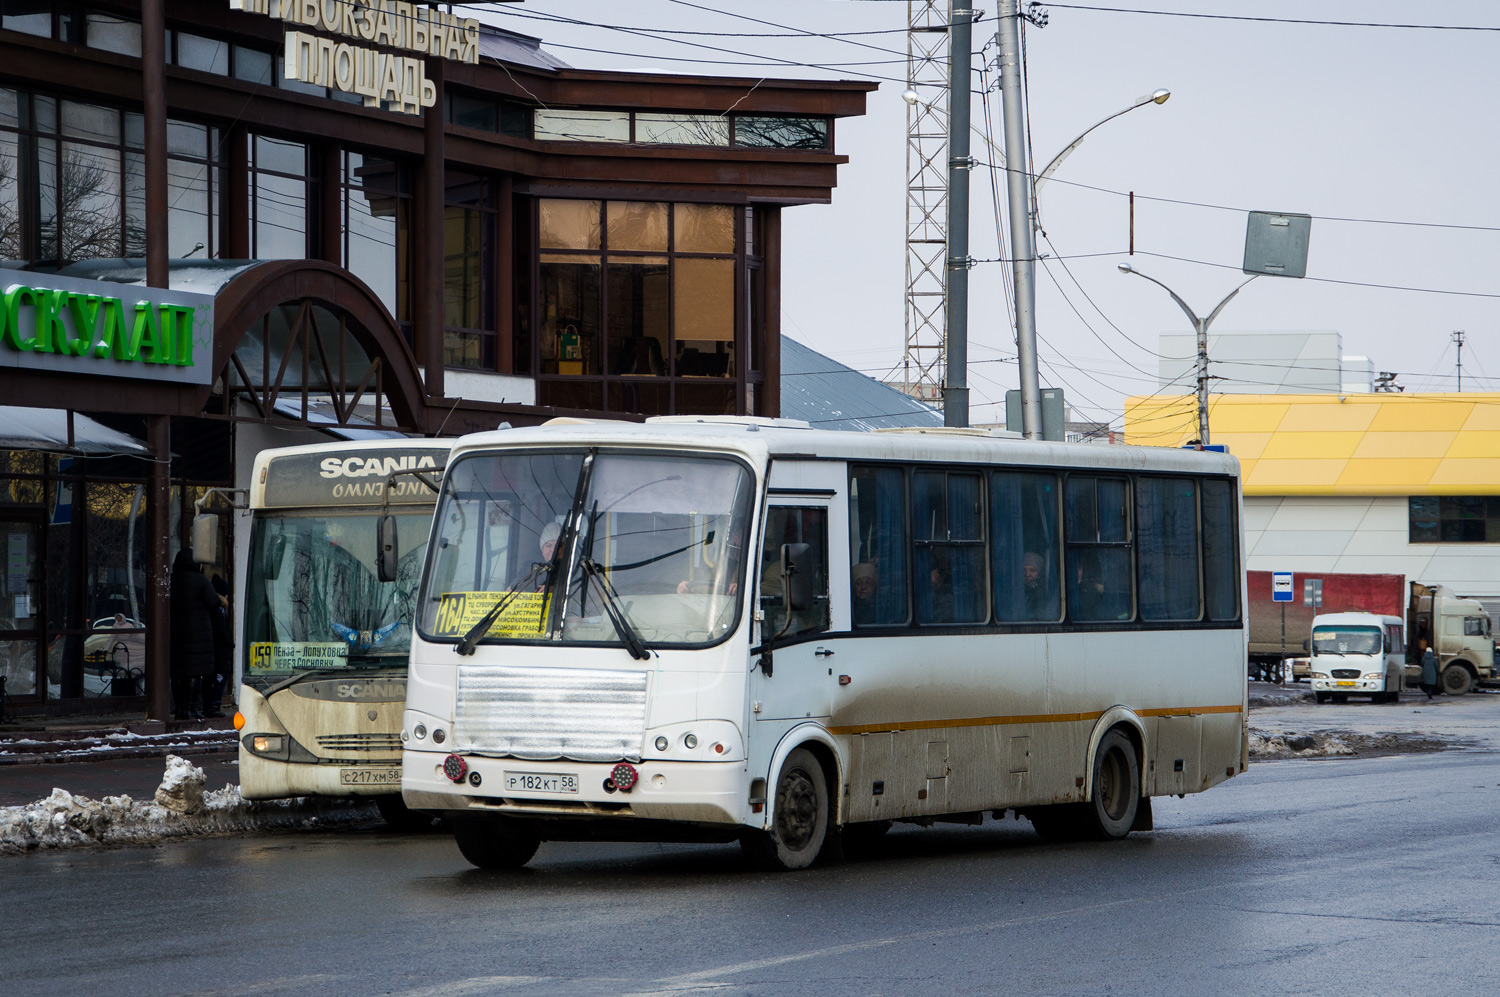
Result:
[[1025, 547], [877, 544], [1100, 583], [788, 525]]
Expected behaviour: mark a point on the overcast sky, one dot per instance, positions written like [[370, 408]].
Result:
[[1360, 127]]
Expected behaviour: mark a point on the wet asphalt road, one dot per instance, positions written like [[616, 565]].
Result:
[[1371, 876]]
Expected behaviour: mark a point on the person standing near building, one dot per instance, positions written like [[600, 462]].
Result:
[[190, 638], [215, 684]]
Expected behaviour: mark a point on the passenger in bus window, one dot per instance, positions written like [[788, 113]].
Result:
[[942, 589], [1036, 594], [864, 579]]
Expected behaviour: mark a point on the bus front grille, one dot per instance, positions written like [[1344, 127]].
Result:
[[360, 742], [1346, 673], [547, 713]]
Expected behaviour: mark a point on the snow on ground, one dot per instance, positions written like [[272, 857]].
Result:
[[181, 808]]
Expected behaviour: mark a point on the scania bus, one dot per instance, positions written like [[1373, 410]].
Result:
[[325, 642], [729, 628]]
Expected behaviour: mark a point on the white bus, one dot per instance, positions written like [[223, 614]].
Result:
[[325, 641], [934, 625]]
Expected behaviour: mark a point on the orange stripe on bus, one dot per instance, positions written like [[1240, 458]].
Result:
[[1040, 718]]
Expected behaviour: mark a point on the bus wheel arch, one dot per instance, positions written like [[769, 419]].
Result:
[[805, 775], [1134, 730]]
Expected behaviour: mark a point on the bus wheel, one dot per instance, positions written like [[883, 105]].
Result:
[[494, 842], [1457, 681], [395, 812], [1321, 697], [799, 824], [1117, 789]]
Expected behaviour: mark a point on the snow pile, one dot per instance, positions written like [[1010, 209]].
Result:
[[181, 789], [1266, 745], [181, 808]]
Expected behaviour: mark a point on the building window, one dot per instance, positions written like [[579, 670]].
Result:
[[71, 180], [279, 181], [1454, 519], [643, 292], [377, 228], [468, 278], [756, 131]]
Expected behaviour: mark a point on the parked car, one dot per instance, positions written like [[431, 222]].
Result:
[[114, 657]]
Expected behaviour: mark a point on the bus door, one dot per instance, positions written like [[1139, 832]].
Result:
[[794, 679]]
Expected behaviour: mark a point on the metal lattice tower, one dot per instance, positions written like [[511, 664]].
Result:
[[926, 198]]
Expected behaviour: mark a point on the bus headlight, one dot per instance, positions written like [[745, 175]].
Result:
[[266, 744], [690, 740], [1373, 676], [419, 731], [662, 743], [1320, 675]]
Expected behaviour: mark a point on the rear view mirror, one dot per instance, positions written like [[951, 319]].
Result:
[[387, 552], [275, 551], [1306, 645], [206, 538], [797, 576]]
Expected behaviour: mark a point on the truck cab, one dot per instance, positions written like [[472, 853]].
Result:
[[1458, 631], [1359, 654]]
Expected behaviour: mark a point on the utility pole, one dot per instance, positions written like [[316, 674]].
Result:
[[1458, 337], [1018, 188], [960, 74], [926, 100]]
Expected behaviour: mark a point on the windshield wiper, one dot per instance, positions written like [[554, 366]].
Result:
[[479, 629], [617, 615]]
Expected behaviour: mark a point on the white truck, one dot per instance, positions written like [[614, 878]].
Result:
[[1359, 654], [1458, 630]]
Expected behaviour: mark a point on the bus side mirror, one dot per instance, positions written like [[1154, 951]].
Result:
[[276, 550], [1307, 644], [206, 538], [386, 551], [797, 576]]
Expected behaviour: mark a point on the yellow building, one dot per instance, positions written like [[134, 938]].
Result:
[[1382, 482]]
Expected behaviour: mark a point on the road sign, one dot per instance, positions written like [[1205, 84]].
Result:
[[1281, 586], [1312, 592]]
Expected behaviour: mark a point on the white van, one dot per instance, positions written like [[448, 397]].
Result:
[[1359, 654]]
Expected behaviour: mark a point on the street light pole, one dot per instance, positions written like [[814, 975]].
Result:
[[1022, 249], [1200, 325]]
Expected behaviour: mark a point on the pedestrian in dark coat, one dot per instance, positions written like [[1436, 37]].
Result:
[[1429, 672], [190, 644], [214, 686]]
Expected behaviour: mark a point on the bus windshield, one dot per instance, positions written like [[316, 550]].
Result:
[[589, 547], [1346, 640], [314, 600]]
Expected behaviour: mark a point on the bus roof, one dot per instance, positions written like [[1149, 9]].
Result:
[[756, 439], [343, 474]]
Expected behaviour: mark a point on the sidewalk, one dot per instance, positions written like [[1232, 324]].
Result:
[[107, 755]]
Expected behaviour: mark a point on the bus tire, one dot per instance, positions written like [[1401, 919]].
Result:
[[395, 812], [1110, 813], [1321, 697], [494, 842], [799, 822], [1457, 680]]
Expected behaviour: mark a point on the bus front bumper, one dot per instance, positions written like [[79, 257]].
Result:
[[695, 792]]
